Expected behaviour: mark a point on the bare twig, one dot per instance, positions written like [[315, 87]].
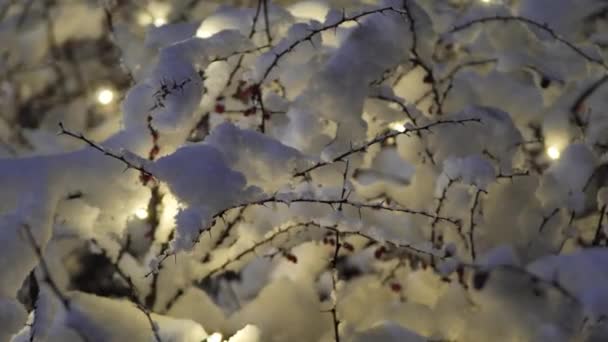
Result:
[[106, 152], [336, 202], [45, 269], [543, 27], [133, 293], [546, 220], [417, 59], [599, 230], [334, 281], [380, 139], [266, 22], [513, 175], [472, 223], [313, 33]]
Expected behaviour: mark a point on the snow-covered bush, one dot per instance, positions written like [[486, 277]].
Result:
[[315, 170]]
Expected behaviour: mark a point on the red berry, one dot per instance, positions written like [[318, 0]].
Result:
[[291, 258], [145, 178], [379, 252]]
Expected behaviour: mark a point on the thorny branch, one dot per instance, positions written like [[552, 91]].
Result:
[[44, 267], [334, 281], [417, 60], [65, 301], [599, 230], [472, 224], [543, 27], [332, 203], [381, 139], [133, 293], [313, 33], [481, 273], [438, 98], [449, 77], [105, 151], [546, 220]]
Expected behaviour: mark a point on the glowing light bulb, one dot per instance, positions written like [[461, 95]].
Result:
[[398, 126], [159, 21], [141, 213], [553, 152], [215, 337], [105, 96], [159, 12]]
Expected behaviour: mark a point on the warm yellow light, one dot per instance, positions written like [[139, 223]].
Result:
[[215, 337], [105, 96], [553, 152], [159, 12], [398, 126], [144, 19], [160, 21], [141, 213]]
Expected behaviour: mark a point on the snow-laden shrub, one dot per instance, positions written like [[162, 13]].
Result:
[[316, 170]]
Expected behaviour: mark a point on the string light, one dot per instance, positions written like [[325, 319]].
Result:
[[215, 337], [160, 21], [105, 96], [398, 126], [141, 213], [553, 152], [159, 12], [145, 19]]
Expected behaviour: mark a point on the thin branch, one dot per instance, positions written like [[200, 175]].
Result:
[[266, 22], [513, 175], [106, 152], [543, 27], [588, 92], [407, 112], [252, 31], [238, 53], [344, 201], [438, 208], [344, 183], [383, 138], [258, 96], [229, 227], [45, 268], [65, 301], [449, 77], [417, 59], [599, 230], [472, 224], [133, 293], [399, 103], [312, 33], [334, 281], [253, 247], [546, 220]]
